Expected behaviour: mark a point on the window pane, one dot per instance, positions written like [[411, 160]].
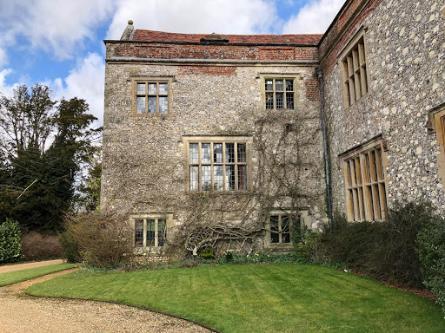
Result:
[[290, 100], [230, 177], [218, 177], [151, 104], [230, 152], [193, 153], [163, 88], [150, 232], [139, 233], [217, 153], [274, 236], [269, 100], [162, 232], [285, 233], [242, 178], [241, 152], [279, 100], [205, 151], [296, 225], [141, 88], [140, 104], [269, 85], [193, 178], [289, 85], [279, 86], [206, 178], [163, 104], [152, 88]]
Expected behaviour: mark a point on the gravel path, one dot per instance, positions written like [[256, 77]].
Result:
[[18, 267], [20, 313]]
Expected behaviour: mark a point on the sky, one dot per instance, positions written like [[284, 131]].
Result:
[[59, 43]]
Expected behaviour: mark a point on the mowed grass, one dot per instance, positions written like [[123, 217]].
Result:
[[27, 274], [258, 298]]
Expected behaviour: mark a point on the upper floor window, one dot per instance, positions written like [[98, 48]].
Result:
[[217, 165], [150, 231], [280, 93], [151, 96], [354, 72], [365, 183]]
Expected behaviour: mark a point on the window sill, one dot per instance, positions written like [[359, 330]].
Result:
[[280, 110], [280, 246], [219, 192], [357, 103]]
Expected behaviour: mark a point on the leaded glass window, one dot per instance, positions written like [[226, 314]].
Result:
[[151, 97], [150, 232], [217, 166], [280, 93], [280, 227]]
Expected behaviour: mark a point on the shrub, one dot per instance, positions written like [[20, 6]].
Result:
[[103, 241], [206, 253], [37, 246], [431, 242], [10, 247], [70, 248], [384, 250], [262, 257], [396, 259], [308, 249]]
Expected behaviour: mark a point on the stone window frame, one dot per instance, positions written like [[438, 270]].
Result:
[[168, 226], [299, 215], [365, 181], [283, 76], [437, 120], [359, 69], [187, 140], [147, 80]]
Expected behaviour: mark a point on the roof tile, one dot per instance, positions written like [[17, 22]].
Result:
[[160, 36]]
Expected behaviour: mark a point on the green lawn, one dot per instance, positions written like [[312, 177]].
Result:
[[258, 298], [27, 274]]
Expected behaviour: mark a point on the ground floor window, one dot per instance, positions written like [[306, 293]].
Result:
[[150, 231], [280, 227], [438, 119], [365, 186]]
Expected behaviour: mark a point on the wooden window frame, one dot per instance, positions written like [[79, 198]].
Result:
[[438, 121], [214, 140], [168, 218], [147, 81], [354, 69], [365, 182], [274, 91]]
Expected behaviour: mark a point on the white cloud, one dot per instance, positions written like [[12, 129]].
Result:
[[6, 89], [195, 16], [85, 81], [314, 17], [57, 26]]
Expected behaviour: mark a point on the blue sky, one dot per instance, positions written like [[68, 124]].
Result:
[[59, 42]]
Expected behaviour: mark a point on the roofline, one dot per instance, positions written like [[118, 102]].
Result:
[[318, 44], [342, 9], [114, 41], [222, 62], [345, 5]]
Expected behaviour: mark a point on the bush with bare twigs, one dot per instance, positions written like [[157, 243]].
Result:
[[102, 241]]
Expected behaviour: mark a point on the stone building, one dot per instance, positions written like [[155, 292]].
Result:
[[252, 137]]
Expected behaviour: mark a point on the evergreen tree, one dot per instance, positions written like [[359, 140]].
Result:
[[45, 145]]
